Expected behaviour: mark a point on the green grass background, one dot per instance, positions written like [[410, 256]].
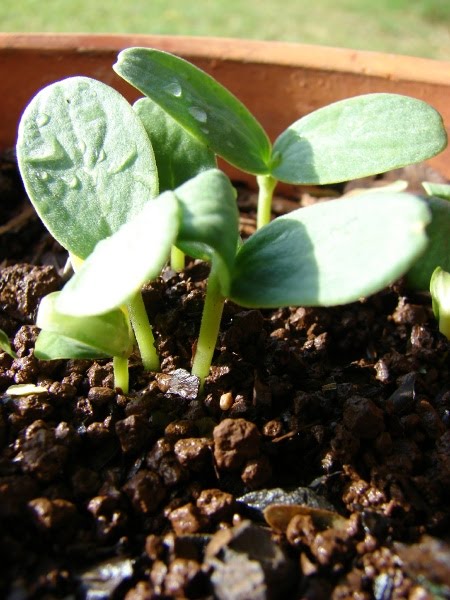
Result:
[[415, 27]]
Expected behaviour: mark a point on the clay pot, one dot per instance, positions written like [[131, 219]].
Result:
[[279, 82]]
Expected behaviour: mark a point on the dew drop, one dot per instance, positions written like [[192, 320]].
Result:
[[125, 163], [205, 130], [174, 89], [74, 183], [101, 156], [42, 120], [198, 114], [82, 146], [44, 176], [50, 152]]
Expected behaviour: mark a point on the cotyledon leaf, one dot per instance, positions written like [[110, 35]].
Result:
[[86, 161], [200, 104], [331, 253], [356, 137], [122, 263], [209, 227], [66, 336], [179, 155]]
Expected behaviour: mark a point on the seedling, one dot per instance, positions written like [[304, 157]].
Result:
[[88, 166], [79, 149], [332, 253], [346, 140]]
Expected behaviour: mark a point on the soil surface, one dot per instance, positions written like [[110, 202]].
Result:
[[316, 465]]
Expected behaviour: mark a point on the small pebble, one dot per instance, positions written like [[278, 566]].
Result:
[[226, 401]]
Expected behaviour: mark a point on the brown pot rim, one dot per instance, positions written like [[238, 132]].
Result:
[[376, 64]]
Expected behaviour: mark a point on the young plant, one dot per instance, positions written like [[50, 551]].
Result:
[[346, 140], [332, 253], [88, 166], [72, 148]]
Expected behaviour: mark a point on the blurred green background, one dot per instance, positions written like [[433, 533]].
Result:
[[415, 27]]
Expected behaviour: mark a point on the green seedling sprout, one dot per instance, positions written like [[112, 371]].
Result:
[[79, 163], [346, 140], [332, 253], [87, 161], [88, 167]]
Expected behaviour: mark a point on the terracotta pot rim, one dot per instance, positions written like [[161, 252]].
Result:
[[327, 58]]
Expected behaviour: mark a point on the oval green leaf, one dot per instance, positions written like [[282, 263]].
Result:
[[209, 227], [122, 263], [179, 156], [357, 137], [97, 336], [86, 161], [200, 104], [331, 253]]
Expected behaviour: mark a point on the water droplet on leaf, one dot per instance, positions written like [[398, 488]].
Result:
[[42, 120], [51, 152], [101, 156], [174, 89], [199, 114], [74, 183], [82, 146], [44, 176], [123, 164]]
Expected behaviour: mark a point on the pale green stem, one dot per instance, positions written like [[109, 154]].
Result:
[[176, 259], [266, 186], [143, 332], [209, 328], [121, 376]]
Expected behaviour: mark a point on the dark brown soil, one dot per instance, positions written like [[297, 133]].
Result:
[[316, 465]]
